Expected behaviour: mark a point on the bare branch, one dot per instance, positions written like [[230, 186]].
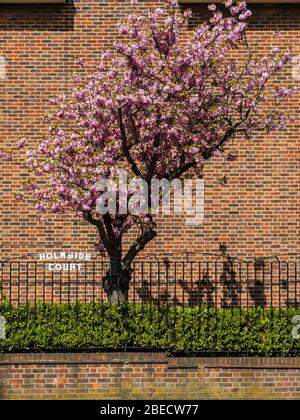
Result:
[[104, 237], [139, 245]]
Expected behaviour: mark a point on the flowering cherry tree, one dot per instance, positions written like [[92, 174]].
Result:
[[157, 106]]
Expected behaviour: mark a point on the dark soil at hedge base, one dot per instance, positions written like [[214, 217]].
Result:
[[97, 326]]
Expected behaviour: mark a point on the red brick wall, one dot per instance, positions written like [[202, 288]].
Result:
[[256, 213], [146, 376]]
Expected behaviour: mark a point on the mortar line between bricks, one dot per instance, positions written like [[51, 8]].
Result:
[[185, 367], [81, 362], [259, 367]]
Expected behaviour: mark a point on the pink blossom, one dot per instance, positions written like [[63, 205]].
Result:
[[228, 3], [100, 247], [79, 62], [21, 143], [275, 50], [212, 7], [5, 156], [245, 15]]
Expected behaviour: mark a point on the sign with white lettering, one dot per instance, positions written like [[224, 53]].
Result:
[[65, 261]]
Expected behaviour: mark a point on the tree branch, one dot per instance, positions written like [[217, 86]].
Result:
[[115, 241], [208, 153], [101, 230], [124, 147], [138, 246], [154, 160]]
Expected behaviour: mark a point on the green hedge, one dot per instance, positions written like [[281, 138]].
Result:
[[96, 326]]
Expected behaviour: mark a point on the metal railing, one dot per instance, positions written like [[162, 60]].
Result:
[[220, 284], [215, 285]]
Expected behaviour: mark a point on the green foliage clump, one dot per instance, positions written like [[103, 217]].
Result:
[[98, 326]]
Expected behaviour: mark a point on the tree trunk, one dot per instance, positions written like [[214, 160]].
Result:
[[116, 282]]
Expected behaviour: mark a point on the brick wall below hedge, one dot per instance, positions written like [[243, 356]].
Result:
[[146, 376]]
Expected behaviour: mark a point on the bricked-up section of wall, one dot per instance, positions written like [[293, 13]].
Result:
[[256, 212], [146, 376]]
